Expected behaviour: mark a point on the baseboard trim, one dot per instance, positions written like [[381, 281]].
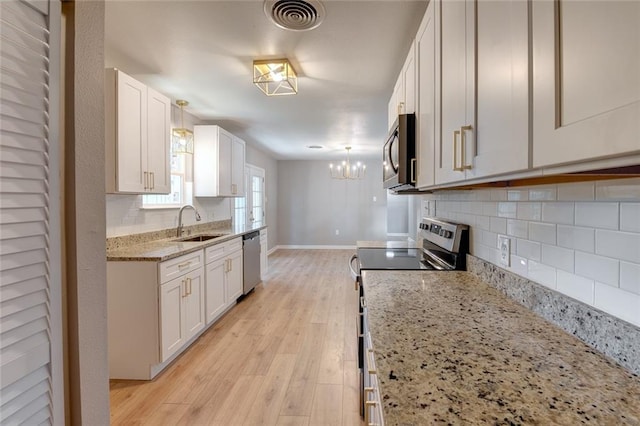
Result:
[[272, 250]]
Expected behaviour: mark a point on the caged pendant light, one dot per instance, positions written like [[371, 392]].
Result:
[[181, 138]]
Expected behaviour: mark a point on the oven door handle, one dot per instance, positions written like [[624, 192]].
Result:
[[355, 275]]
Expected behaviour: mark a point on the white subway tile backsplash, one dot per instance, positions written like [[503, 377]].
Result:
[[618, 190], [490, 239], [518, 228], [619, 245], [529, 249], [630, 277], [558, 257], [483, 222], [542, 193], [618, 302], [574, 286], [499, 225], [542, 274], [569, 237], [507, 209], [542, 232], [529, 211], [498, 195], [576, 192], [490, 208], [599, 268], [561, 213], [519, 266], [597, 215], [518, 195], [630, 217], [576, 238]]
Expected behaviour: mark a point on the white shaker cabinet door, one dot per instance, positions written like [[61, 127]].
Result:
[[502, 89], [426, 49], [172, 334], [215, 289], [234, 276], [455, 67], [131, 138], [158, 142], [586, 80], [237, 167], [194, 308]]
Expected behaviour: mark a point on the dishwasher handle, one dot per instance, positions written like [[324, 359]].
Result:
[[355, 275]]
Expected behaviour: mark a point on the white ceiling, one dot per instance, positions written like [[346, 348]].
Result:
[[202, 51]]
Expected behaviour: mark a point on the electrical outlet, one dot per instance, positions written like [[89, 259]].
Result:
[[337, 232], [504, 244]]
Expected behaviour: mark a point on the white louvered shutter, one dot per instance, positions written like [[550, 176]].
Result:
[[30, 302]]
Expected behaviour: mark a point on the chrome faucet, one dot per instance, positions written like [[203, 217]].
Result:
[[198, 218]]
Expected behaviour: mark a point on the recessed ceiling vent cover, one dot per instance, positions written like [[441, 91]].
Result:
[[295, 15]]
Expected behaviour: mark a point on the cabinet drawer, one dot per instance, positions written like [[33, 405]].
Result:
[[181, 265], [219, 251]]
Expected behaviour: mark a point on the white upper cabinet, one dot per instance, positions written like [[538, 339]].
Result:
[[425, 52], [138, 127], [218, 163], [502, 89], [586, 80], [403, 99], [455, 126], [484, 98]]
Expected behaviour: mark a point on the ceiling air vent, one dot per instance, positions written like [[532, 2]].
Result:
[[295, 15]]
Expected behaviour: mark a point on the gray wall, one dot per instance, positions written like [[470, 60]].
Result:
[[311, 205], [263, 160], [397, 214]]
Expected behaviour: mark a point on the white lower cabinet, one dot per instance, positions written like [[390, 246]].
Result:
[[156, 309], [224, 277], [181, 311]]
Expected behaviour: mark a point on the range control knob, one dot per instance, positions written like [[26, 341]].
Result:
[[442, 231], [448, 234]]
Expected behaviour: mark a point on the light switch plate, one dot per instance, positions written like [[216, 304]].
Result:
[[504, 245]]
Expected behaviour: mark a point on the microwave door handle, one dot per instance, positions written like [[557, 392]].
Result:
[[413, 170], [355, 275]]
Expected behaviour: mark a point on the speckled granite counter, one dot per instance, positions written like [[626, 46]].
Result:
[[450, 349], [160, 248]]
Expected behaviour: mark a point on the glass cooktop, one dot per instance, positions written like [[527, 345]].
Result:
[[392, 258]]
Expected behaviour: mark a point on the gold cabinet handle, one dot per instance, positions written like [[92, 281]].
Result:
[[184, 265], [153, 180], [146, 180], [455, 151], [234, 188], [370, 360], [367, 405], [400, 108], [463, 147], [183, 287]]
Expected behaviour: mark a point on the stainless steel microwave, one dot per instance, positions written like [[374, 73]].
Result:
[[399, 154]]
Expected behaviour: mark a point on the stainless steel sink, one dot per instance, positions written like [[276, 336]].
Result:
[[199, 238]]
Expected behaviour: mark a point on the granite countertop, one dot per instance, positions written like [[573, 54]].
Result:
[[386, 244], [450, 349], [161, 249]]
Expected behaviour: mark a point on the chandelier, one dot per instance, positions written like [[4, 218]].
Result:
[[181, 138], [346, 170], [275, 77]]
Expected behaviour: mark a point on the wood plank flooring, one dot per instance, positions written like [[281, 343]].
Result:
[[285, 355]]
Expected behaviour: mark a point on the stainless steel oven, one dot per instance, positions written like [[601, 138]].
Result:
[[443, 247]]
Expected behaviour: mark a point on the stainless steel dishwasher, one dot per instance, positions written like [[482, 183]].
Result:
[[251, 260]]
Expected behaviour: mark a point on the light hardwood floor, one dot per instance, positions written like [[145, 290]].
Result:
[[285, 355]]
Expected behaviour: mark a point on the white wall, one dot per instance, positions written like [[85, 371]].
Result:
[[312, 206], [581, 239]]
